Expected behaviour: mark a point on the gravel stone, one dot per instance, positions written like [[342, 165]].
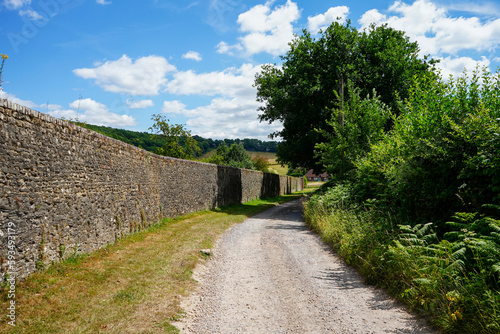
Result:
[[270, 274]]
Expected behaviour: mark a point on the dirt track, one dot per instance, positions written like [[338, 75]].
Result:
[[270, 274]]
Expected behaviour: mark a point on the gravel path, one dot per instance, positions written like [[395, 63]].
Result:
[[270, 274]]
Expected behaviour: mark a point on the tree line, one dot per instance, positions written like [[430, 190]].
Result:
[[152, 142]]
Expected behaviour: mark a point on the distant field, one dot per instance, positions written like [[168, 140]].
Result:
[[271, 158]]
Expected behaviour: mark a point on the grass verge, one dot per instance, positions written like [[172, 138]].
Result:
[[450, 283], [132, 286]]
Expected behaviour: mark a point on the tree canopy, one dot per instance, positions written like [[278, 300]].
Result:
[[233, 156], [312, 81], [178, 142]]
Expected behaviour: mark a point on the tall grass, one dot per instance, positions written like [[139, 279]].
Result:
[[453, 280]]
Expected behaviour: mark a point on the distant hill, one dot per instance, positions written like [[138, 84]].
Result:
[[150, 142]]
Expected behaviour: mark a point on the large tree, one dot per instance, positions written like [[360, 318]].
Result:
[[313, 77]]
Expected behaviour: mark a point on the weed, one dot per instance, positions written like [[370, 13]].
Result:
[[62, 250]]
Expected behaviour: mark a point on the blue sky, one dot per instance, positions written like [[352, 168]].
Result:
[[116, 63]]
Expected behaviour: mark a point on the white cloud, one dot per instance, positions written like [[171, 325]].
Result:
[[141, 104], [103, 2], [323, 21], [266, 30], [230, 82], [30, 14], [193, 55], [231, 50], [14, 99], [371, 16], [455, 66], [15, 4], [232, 112], [85, 110], [173, 107], [228, 118], [90, 111], [145, 76], [437, 32]]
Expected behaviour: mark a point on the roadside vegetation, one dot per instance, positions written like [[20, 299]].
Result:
[[132, 286], [414, 200]]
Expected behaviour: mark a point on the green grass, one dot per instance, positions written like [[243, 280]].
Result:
[[132, 286], [455, 290]]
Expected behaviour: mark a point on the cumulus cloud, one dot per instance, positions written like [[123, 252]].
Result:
[[230, 82], [440, 34], [455, 66], [85, 110], [103, 2], [231, 50], [173, 107], [141, 104], [265, 29], [193, 55], [322, 21], [144, 76], [90, 111], [225, 118], [435, 30], [232, 112]]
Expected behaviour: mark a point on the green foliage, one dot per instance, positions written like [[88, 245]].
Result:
[[234, 156], [451, 280], [260, 163], [178, 142], [355, 128], [440, 162], [313, 77], [443, 153]]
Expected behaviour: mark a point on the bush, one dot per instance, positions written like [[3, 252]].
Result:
[[443, 154]]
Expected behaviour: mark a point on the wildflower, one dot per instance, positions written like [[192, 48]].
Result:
[[4, 57], [456, 316]]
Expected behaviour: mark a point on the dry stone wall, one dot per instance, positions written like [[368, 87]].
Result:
[[65, 189]]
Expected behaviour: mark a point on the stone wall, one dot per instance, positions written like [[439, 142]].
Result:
[[65, 189]]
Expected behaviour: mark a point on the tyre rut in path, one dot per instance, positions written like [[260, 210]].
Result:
[[270, 274]]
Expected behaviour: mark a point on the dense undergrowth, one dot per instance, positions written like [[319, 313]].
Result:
[[418, 212]]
